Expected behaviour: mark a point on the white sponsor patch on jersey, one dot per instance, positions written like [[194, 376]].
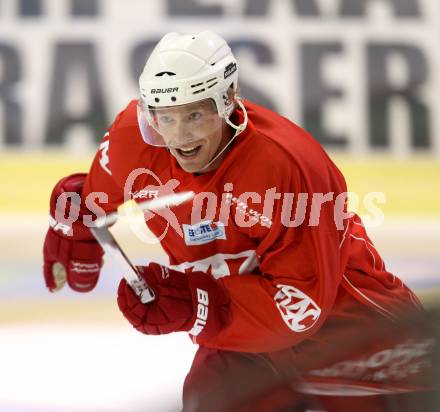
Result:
[[298, 310], [203, 232]]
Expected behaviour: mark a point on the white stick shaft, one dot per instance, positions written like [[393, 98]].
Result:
[[112, 249]]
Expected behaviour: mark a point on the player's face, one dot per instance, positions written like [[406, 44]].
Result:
[[194, 133]]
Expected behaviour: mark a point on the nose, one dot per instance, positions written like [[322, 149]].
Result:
[[182, 133]]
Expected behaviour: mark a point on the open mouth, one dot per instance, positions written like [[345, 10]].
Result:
[[189, 152]]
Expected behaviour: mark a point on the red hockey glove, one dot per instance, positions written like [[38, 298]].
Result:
[[193, 302], [70, 251]]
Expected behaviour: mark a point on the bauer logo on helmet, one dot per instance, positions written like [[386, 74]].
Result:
[[167, 90], [230, 69]]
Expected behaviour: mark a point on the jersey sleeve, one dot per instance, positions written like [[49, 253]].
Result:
[[295, 289]]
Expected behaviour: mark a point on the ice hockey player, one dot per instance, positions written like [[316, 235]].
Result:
[[268, 272]]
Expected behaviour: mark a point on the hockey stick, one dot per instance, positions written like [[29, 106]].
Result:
[[111, 247]]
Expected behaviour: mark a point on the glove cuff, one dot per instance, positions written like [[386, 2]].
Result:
[[211, 306]]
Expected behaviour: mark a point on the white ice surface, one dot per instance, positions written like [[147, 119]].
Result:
[[91, 368]]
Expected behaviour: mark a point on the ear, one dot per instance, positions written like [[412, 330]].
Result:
[[232, 94]]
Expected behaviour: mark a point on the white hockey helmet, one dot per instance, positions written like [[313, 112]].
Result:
[[186, 68]]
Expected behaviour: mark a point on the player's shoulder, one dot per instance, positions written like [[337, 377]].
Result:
[[276, 130], [256, 159], [267, 138], [126, 120], [281, 146], [124, 137], [292, 140]]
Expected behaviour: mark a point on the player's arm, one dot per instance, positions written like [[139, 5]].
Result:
[[70, 251], [248, 313]]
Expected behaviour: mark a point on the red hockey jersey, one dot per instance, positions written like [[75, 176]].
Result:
[[270, 224]]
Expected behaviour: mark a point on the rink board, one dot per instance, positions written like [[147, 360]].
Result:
[[410, 186]]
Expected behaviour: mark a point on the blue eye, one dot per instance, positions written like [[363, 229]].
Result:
[[195, 116], [166, 119]]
